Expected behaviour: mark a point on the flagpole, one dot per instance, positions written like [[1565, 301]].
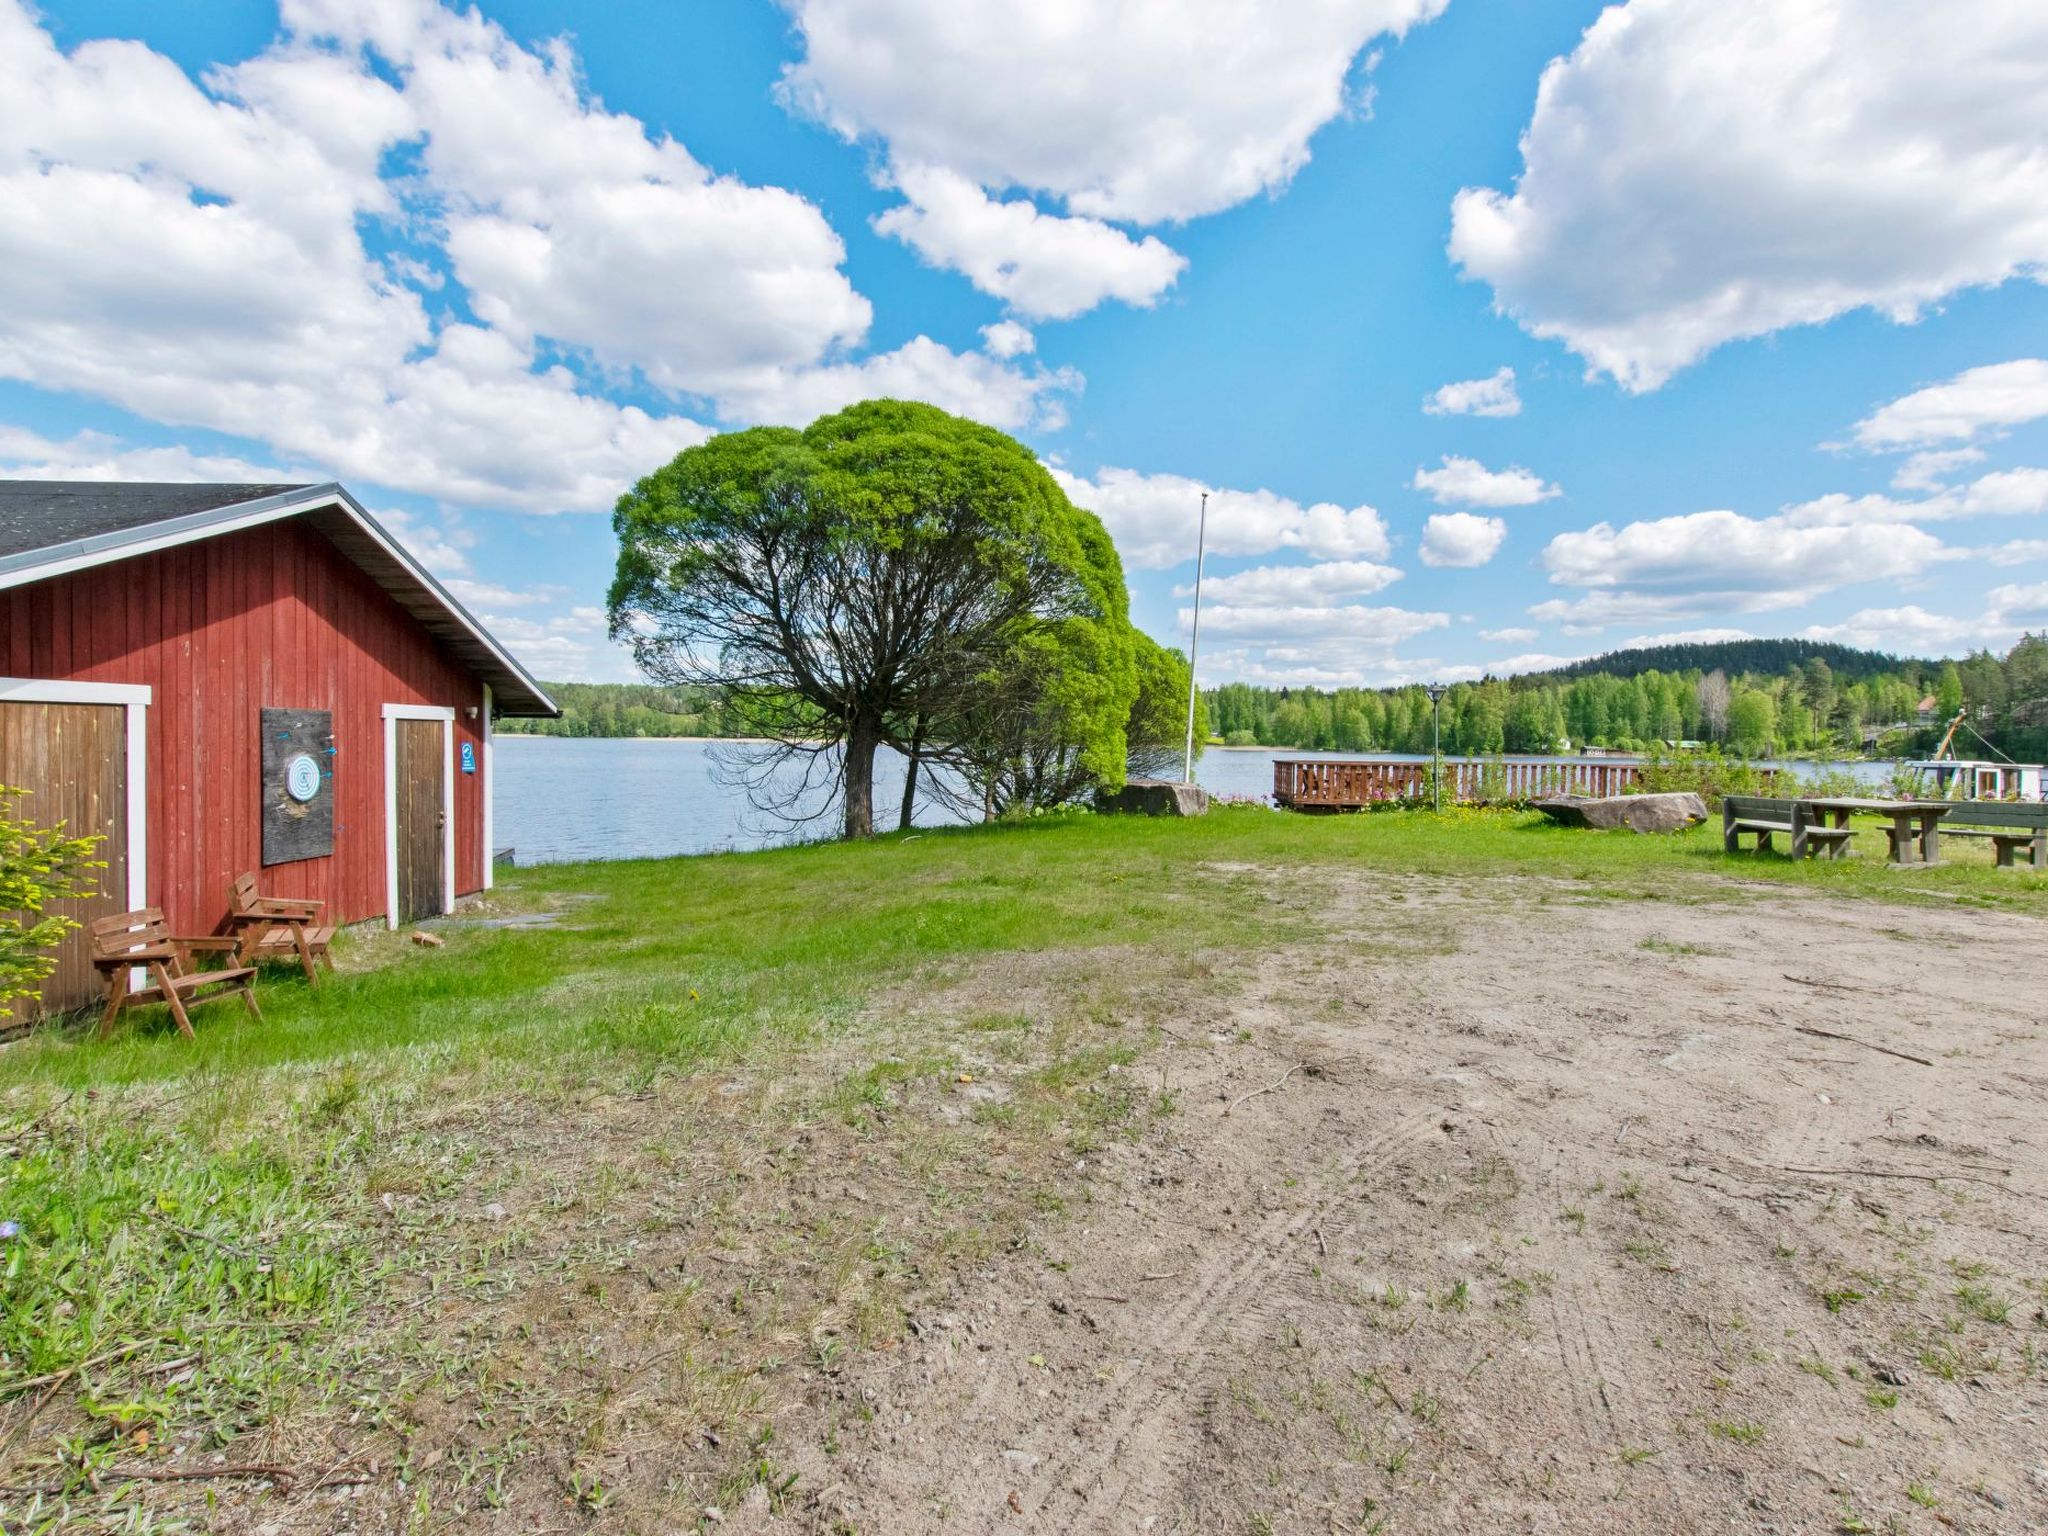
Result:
[[1187, 775]]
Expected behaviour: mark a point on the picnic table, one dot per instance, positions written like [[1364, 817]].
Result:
[[1915, 830]]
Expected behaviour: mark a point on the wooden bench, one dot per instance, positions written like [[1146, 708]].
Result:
[[278, 928], [1763, 819], [135, 941], [2013, 827]]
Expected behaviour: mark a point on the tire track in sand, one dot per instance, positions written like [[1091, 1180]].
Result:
[[1126, 1460]]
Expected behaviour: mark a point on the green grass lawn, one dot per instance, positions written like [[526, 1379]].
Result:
[[223, 1235], [659, 961]]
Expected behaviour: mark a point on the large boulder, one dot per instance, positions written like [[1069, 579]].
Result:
[[1639, 813], [1153, 797]]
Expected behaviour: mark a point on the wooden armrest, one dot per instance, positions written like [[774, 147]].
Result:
[[141, 955], [209, 941]]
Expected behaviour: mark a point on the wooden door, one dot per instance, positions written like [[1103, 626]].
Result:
[[421, 762], [72, 759]]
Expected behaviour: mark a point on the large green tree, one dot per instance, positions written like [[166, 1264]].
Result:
[[1047, 720], [851, 584]]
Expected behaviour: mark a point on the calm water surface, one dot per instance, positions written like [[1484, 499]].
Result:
[[561, 799]]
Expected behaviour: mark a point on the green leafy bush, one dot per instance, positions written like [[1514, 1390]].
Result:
[[1704, 771], [38, 865]]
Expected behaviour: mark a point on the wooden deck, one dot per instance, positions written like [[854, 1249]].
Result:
[[1356, 783]]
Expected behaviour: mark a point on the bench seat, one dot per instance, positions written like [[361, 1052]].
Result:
[[2008, 843], [1765, 819]]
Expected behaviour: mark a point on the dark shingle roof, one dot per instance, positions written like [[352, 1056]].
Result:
[[50, 526], [40, 514]]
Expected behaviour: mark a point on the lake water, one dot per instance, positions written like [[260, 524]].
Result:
[[563, 799]]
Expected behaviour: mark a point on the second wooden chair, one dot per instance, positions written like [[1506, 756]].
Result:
[[278, 928]]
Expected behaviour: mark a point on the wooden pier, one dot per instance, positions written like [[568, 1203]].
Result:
[[1321, 784]]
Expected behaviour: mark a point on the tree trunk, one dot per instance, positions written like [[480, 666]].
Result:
[[903, 822], [859, 778]]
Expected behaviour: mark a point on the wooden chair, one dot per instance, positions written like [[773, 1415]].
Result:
[[139, 941], [278, 928]]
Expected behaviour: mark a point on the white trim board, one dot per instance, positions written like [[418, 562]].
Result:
[[393, 713], [135, 699], [490, 793]]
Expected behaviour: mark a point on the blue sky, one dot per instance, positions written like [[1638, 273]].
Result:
[[1739, 327]]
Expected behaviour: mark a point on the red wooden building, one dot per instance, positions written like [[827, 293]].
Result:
[[221, 678]]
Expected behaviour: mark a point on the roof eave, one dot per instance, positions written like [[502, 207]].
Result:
[[524, 697]]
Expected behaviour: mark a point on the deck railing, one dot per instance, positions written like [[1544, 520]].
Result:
[[1351, 784]]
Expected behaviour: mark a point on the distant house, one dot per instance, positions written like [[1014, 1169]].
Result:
[[1927, 710], [220, 678]]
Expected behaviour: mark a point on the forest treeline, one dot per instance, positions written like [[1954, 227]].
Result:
[[628, 709], [1819, 699], [1828, 700]]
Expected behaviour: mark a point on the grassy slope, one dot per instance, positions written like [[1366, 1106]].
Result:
[[662, 960], [245, 1215]]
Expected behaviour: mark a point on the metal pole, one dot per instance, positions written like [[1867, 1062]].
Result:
[[1187, 772], [1436, 747]]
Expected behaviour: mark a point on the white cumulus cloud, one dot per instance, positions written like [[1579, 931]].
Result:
[[1461, 539], [1469, 483], [1697, 173], [27, 455], [1911, 630], [1514, 635], [1929, 469], [965, 383], [1138, 113], [209, 255], [1297, 584], [1135, 114], [1153, 520], [1006, 338], [1494, 395], [1042, 265], [1976, 402], [1711, 636], [1708, 562], [2001, 493]]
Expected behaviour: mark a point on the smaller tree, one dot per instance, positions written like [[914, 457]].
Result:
[[1752, 721], [1156, 735], [1713, 695], [38, 865], [1948, 692], [1047, 720]]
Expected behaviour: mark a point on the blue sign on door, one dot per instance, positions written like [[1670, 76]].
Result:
[[469, 757]]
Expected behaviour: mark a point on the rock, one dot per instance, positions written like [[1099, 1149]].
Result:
[[1153, 797], [1639, 813]]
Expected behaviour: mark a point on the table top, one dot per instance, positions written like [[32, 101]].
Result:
[[1881, 807]]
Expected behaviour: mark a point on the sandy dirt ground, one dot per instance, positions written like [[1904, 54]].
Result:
[[1507, 1210]]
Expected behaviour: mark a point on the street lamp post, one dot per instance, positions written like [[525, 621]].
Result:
[[1436, 744], [1187, 772]]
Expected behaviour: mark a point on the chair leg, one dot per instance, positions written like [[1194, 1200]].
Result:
[[163, 980], [249, 999], [305, 955], [2041, 850], [117, 999]]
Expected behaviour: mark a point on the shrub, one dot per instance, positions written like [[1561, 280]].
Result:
[[1704, 771], [38, 865]]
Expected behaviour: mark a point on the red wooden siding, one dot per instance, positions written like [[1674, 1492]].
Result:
[[221, 629]]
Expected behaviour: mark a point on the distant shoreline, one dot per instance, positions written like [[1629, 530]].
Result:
[[730, 741]]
